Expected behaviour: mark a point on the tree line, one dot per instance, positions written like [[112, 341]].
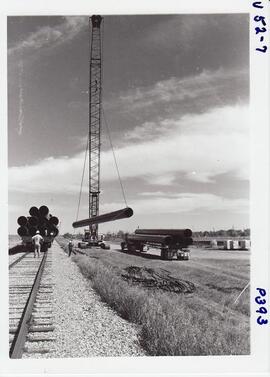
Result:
[[207, 233]]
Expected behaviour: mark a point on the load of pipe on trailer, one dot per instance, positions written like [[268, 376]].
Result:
[[111, 216], [183, 233], [160, 239]]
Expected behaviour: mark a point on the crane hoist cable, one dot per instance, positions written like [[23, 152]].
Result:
[[111, 145], [82, 179], [107, 126], [114, 157], [115, 162]]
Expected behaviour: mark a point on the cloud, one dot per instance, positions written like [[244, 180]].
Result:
[[146, 131], [197, 148], [164, 203], [186, 31], [51, 175], [190, 202], [48, 37], [21, 99], [166, 33], [157, 193], [162, 180], [186, 95]]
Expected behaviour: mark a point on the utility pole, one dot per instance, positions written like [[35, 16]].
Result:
[[95, 98]]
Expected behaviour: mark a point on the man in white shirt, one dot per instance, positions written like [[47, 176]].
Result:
[[37, 240]]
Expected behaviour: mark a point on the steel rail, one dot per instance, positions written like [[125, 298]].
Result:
[[16, 349], [18, 260]]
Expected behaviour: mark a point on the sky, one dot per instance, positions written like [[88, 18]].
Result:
[[176, 100]]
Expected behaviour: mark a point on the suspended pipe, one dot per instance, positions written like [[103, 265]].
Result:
[[111, 216]]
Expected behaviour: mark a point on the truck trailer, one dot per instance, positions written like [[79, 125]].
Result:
[[170, 242]]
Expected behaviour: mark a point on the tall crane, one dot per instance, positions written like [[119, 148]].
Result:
[[95, 103], [95, 109]]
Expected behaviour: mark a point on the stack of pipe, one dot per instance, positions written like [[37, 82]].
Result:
[[39, 219], [163, 236]]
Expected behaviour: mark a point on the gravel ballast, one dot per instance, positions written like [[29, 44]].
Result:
[[84, 325]]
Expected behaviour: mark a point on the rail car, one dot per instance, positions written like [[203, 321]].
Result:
[[39, 220], [45, 245]]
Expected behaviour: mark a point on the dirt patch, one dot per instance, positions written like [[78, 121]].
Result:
[[157, 279]]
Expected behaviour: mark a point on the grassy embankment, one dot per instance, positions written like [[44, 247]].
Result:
[[205, 322]]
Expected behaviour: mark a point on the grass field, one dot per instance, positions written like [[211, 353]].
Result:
[[182, 307]]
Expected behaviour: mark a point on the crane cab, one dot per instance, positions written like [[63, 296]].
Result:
[[90, 241]]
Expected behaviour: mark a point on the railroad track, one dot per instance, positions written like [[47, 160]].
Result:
[[30, 306], [17, 260]]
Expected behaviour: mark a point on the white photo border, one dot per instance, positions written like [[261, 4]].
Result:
[[258, 361]]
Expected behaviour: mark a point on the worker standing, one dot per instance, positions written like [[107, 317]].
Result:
[[37, 239], [70, 247]]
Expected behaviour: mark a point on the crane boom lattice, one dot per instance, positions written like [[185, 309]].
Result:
[[95, 98]]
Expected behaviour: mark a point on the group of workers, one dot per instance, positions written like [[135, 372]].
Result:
[[37, 240]]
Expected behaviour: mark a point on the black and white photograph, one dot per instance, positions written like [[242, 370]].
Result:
[[130, 205]]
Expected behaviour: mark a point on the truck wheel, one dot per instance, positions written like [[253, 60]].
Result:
[[131, 248], [136, 247], [169, 255], [163, 254], [142, 248]]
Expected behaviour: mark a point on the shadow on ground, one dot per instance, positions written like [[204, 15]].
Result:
[[137, 253], [17, 249]]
